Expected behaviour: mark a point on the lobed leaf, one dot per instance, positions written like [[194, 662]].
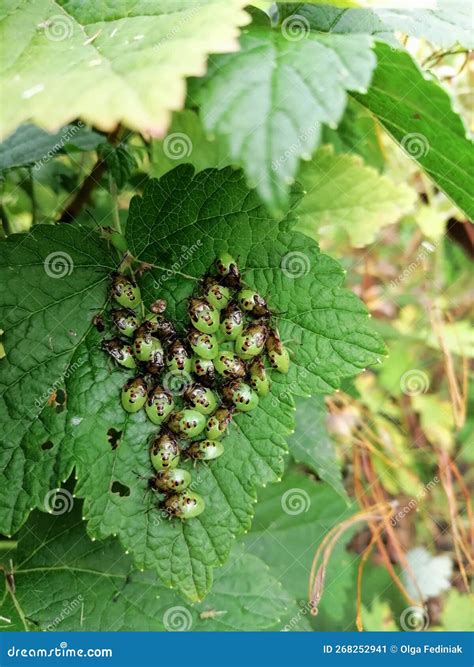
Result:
[[125, 63], [179, 225], [295, 79], [343, 192], [63, 581]]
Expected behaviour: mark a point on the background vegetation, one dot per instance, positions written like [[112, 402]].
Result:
[[348, 127]]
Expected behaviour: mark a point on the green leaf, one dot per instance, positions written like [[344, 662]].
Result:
[[63, 581], [443, 26], [311, 443], [186, 143], [335, 3], [184, 220], [417, 112], [379, 618], [457, 613], [413, 107], [124, 63], [345, 193], [52, 281], [358, 132], [291, 520], [245, 597], [180, 224], [120, 162], [267, 103], [30, 145]]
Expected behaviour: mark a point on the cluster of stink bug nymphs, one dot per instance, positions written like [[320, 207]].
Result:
[[220, 360]]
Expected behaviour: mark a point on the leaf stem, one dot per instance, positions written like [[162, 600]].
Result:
[[163, 268]]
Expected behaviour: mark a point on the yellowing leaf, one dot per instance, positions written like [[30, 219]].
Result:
[[379, 617], [344, 192], [436, 419], [113, 62]]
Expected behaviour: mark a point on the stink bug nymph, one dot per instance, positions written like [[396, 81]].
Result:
[[205, 450], [205, 318], [125, 291], [241, 395], [216, 294], [159, 306], [228, 270], [126, 321], [203, 345], [120, 351], [277, 353], [251, 301], [164, 452], [251, 341], [178, 358], [259, 377], [218, 422], [144, 344], [187, 423], [156, 362], [186, 505], [204, 369], [134, 394], [229, 365], [159, 405], [232, 321], [160, 326], [201, 398], [171, 480]]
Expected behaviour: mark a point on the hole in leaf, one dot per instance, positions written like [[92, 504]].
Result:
[[121, 489], [47, 445], [114, 437], [60, 400]]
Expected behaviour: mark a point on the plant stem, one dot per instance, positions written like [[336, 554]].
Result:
[[88, 184], [115, 208], [84, 193], [6, 224]]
